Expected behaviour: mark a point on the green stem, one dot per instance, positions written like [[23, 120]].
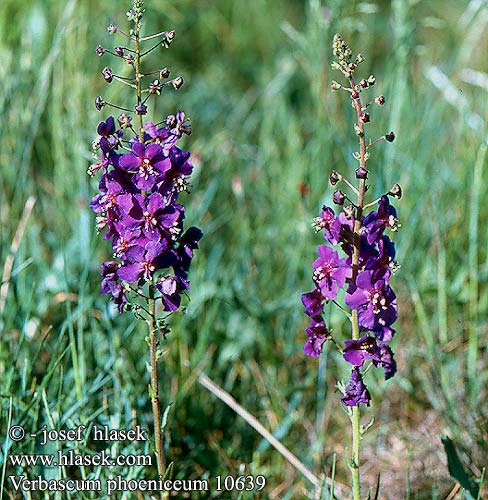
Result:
[[356, 436], [158, 438]]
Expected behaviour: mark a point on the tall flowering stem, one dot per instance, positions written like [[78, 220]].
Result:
[[143, 173], [364, 273]]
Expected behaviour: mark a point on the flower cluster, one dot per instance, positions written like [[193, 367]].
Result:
[[143, 173], [367, 262]]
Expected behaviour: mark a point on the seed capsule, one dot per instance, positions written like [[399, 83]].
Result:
[[390, 137]]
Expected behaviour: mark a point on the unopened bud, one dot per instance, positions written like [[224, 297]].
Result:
[[100, 50], [363, 83], [129, 59], [390, 137], [355, 94], [177, 82], [349, 211], [155, 87], [371, 80], [396, 191], [119, 51], [361, 173], [167, 39], [338, 197], [380, 100], [164, 73], [334, 177], [107, 74], [141, 109], [111, 28], [99, 102], [335, 85], [365, 117], [124, 120]]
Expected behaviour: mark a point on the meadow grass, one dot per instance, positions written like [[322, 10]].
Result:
[[264, 120]]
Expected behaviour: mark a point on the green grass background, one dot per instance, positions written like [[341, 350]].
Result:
[[264, 120]]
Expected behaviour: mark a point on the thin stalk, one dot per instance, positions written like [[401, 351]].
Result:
[[158, 438], [356, 437], [153, 330]]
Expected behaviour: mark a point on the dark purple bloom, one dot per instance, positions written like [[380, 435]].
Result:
[[356, 391], [141, 263], [184, 253], [376, 222], [313, 302], [171, 288], [317, 334], [330, 272], [358, 351], [386, 360], [111, 284], [374, 300], [148, 163]]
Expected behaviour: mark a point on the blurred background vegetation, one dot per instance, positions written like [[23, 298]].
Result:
[[264, 121]]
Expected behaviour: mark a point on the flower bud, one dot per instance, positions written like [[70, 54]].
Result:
[[355, 94], [338, 197], [112, 29], [107, 74], [164, 73], [119, 51], [352, 67], [141, 109], [335, 85], [371, 80], [177, 82], [349, 211], [100, 50], [124, 120], [359, 58], [390, 137], [380, 100], [363, 83], [155, 87], [361, 173], [129, 59], [334, 177], [396, 191], [365, 117], [167, 39], [99, 103]]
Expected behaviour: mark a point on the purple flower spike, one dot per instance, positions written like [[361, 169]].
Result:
[[330, 272], [358, 351], [317, 334], [356, 391]]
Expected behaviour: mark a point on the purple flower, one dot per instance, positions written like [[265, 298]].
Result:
[[111, 285], [141, 263], [317, 334], [374, 300], [358, 351], [313, 302], [376, 222], [386, 360], [330, 272], [356, 391], [184, 253], [329, 224], [148, 163], [171, 288]]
